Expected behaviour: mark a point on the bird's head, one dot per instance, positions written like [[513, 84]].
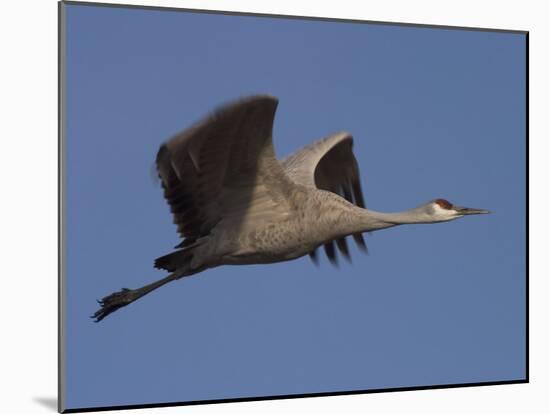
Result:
[[442, 210]]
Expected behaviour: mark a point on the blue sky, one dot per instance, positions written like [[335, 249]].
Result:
[[435, 113]]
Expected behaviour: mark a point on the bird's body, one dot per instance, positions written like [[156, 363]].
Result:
[[234, 203], [285, 235]]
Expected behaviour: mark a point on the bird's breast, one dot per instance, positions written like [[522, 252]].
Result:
[[270, 242]]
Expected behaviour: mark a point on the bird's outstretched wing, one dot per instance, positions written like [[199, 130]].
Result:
[[223, 167], [329, 164]]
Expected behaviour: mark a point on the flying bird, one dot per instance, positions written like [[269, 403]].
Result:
[[234, 203]]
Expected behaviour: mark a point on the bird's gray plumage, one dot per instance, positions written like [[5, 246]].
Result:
[[234, 203], [329, 164]]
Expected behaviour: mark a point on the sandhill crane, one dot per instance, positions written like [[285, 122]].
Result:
[[234, 203]]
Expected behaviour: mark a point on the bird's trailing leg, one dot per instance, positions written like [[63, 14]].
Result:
[[124, 297], [115, 301]]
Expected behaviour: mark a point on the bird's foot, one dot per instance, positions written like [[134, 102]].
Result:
[[115, 301]]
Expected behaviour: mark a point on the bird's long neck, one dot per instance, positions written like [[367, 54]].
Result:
[[361, 220], [411, 216]]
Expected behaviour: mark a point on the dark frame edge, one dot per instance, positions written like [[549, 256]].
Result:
[[292, 396], [293, 17], [60, 206], [527, 206]]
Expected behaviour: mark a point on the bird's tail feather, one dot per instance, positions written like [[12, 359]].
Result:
[[175, 260]]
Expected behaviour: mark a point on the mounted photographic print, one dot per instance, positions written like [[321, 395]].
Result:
[[257, 206]]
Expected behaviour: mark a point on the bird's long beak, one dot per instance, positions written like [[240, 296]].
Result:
[[467, 211]]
